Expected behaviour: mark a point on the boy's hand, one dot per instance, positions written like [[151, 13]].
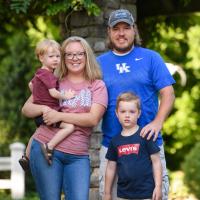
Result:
[[157, 193], [107, 197], [69, 94]]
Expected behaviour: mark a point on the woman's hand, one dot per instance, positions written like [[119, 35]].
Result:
[[32, 110], [51, 116]]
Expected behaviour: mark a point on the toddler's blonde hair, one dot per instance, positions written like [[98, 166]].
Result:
[[43, 46]]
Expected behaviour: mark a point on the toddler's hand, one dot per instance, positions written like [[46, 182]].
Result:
[[69, 94], [107, 197]]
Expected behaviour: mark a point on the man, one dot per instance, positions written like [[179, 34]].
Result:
[[129, 67]]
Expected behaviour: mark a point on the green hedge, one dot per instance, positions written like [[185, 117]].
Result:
[[191, 168]]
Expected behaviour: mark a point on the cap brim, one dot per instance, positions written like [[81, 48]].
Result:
[[121, 20]]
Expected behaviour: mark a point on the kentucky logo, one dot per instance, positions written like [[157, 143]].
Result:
[[128, 149], [123, 68]]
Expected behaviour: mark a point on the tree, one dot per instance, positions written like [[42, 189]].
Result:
[[176, 38], [191, 168]]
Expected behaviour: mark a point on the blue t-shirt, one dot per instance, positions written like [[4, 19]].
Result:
[[141, 71], [134, 166]]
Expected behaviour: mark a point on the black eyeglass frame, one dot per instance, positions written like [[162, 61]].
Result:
[[70, 56]]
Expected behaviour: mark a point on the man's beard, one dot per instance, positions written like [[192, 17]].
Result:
[[122, 49]]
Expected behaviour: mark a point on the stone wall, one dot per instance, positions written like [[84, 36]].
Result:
[[93, 29]]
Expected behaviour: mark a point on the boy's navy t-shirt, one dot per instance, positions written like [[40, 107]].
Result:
[[134, 166]]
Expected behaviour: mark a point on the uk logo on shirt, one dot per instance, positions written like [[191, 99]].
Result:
[[122, 68], [128, 149]]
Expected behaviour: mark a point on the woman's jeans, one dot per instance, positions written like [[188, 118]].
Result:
[[68, 173]]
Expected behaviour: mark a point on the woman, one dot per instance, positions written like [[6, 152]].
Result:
[[70, 169]]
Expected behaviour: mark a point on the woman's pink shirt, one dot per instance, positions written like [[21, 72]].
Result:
[[86, 94]]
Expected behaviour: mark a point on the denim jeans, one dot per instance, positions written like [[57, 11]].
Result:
[[68, 173], [131, 199]]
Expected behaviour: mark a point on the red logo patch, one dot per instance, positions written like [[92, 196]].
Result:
[[128, 149]]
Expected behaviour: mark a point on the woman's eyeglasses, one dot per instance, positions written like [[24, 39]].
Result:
[[70, 56]]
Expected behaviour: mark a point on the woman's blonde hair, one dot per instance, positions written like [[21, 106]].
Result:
[[92, 71], [43, 46]]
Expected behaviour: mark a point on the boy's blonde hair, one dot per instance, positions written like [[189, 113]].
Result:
[[127, 97], [92, 71], [43, 46]]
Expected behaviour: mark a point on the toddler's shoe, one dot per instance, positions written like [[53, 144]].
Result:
[[24, 162]]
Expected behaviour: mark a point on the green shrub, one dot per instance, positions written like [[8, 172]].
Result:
[[191, 168]]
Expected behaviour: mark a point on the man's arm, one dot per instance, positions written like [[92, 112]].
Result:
[[157, 172], [109, 178], [167, 98]]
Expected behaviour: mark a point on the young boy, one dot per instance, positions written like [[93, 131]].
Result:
[[135, 159], [44, 88]]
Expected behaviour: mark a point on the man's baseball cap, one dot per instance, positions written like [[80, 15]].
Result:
[[120, 15]]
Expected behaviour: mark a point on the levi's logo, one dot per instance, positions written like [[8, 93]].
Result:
[[128, 149]]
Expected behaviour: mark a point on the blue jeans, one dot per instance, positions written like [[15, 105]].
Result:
[[68, 173]]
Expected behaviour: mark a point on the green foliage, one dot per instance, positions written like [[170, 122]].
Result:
[[20, 5], [92, 8], [175, 37], [51, 8], [17, 66], [185, 2], [29, 196], [191, 168], [177, 40], [56, 7], [16, 70]]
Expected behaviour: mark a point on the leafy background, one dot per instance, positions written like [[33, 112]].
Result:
[[176, 38]]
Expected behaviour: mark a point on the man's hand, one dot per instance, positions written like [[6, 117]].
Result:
[[152, 129]]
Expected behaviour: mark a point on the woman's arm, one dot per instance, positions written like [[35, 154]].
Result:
[[89, 119], [32, 110]]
